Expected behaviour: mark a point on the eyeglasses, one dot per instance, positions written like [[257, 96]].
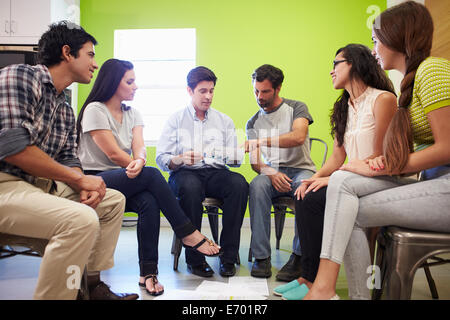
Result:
[[336, 62]]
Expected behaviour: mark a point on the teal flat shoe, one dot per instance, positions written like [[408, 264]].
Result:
[[297, 293], [278, 291]]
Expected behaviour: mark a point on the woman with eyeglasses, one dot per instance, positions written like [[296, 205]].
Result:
[[359, 121], [371, 193], [109, 132]]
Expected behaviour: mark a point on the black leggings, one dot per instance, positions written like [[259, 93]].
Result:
[[310, 214], [147, 195]]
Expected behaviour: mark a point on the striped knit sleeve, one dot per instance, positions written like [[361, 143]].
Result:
[[433, 87]]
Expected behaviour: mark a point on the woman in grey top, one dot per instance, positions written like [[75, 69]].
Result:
[[108, 134]]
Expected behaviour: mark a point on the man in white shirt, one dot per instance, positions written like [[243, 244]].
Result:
[[196, 146]]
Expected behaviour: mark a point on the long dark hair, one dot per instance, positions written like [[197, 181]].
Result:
[[106, 84], [406, 28], [364, 67]]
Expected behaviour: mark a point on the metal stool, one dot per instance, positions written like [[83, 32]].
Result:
[[36, 249], [400, 252], [211, 207]]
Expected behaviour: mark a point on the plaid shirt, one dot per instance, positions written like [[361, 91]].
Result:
[[32, 113]]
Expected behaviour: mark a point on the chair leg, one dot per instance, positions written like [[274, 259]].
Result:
[[431, 282], [381, 262], [214, 224], [176, 251], [372, 237], [250, 255], [174, 238], [401, 270], [279, 217], [84, 290]]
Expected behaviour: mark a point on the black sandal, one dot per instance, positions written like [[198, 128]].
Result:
[[154, 282], [211, 243]]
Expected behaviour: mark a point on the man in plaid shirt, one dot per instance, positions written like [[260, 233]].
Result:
[[43, 191]]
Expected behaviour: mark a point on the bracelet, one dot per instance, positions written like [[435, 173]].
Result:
[[145, 160]]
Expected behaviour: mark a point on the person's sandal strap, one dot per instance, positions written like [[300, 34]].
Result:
[[154, 282], [198, 245]]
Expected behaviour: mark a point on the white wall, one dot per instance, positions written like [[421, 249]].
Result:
[[67, 10], [391, 3]]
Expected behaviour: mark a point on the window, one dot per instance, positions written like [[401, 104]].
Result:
[[162, 59]]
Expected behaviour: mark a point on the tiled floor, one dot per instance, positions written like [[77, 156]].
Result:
[[18, 275]]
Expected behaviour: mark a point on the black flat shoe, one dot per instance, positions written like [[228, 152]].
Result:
[[202, 270], [195, 248], [291, 270], [227, 269], [262, 268]]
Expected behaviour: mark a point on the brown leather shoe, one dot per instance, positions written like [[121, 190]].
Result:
[[102, 292]]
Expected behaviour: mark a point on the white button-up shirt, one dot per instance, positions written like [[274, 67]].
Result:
[[213, 137]]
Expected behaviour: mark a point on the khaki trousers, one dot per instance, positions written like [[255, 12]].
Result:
[[78, 235]]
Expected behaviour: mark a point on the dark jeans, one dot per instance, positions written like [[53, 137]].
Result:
[[147, 195], [310, 214], [192, 186]]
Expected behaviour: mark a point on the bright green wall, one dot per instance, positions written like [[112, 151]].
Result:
[[236, 36]]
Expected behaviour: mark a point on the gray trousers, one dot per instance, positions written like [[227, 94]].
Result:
[[355, 203], [260, 202]]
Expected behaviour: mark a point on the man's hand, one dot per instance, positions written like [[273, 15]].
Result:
[[281, 182], [188, 158], [90, 198], [135, 168], [250, 145], [89, 183]]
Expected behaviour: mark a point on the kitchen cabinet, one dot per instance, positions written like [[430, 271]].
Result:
[[24, 21], [4, 17], [26, 18]]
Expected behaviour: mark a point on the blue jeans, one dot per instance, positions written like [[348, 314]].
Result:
[[260, 203], [147, 195], [191, 188]]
